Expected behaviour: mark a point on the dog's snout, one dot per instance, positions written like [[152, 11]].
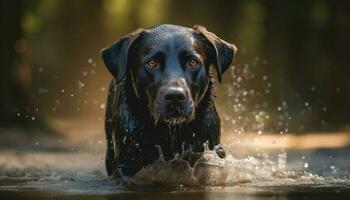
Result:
[[175, 95], [174, 102]]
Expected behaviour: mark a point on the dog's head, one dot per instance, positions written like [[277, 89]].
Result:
[[169, 67]]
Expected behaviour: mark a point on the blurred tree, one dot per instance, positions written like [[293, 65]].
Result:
[[14, 76], [70, 37]]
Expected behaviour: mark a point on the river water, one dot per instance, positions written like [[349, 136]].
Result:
[[56, 168]]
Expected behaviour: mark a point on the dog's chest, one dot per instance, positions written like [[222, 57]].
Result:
[[142, 139]]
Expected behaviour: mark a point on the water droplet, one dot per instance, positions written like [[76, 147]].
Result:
[[282, 160], [80, 84], [284, 104]]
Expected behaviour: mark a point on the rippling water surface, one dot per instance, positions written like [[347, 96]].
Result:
[[76, 171]]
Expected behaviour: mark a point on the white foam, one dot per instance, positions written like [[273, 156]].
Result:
[[211, 170]]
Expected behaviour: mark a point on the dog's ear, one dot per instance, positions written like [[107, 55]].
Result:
[[224, 51], [115, 56]]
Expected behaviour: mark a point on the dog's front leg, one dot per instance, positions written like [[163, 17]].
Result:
[[130, 160], [208, 129]]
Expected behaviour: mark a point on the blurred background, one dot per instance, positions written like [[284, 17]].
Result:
[[284, 105], [291, 73]]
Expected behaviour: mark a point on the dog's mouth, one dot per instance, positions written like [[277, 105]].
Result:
[[174, 116]]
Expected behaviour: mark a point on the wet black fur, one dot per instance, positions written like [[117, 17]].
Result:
[[132, 132]]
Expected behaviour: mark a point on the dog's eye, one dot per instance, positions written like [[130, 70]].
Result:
[[193, 63], [152, 64]]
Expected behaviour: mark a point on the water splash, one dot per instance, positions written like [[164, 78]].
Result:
[[211, 170], [81, 172]]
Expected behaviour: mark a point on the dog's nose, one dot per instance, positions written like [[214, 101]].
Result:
[[175, 95]]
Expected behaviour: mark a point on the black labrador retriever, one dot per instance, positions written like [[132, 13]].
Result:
[[162, 94]]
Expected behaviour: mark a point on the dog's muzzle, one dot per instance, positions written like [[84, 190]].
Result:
[[174, 104]]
